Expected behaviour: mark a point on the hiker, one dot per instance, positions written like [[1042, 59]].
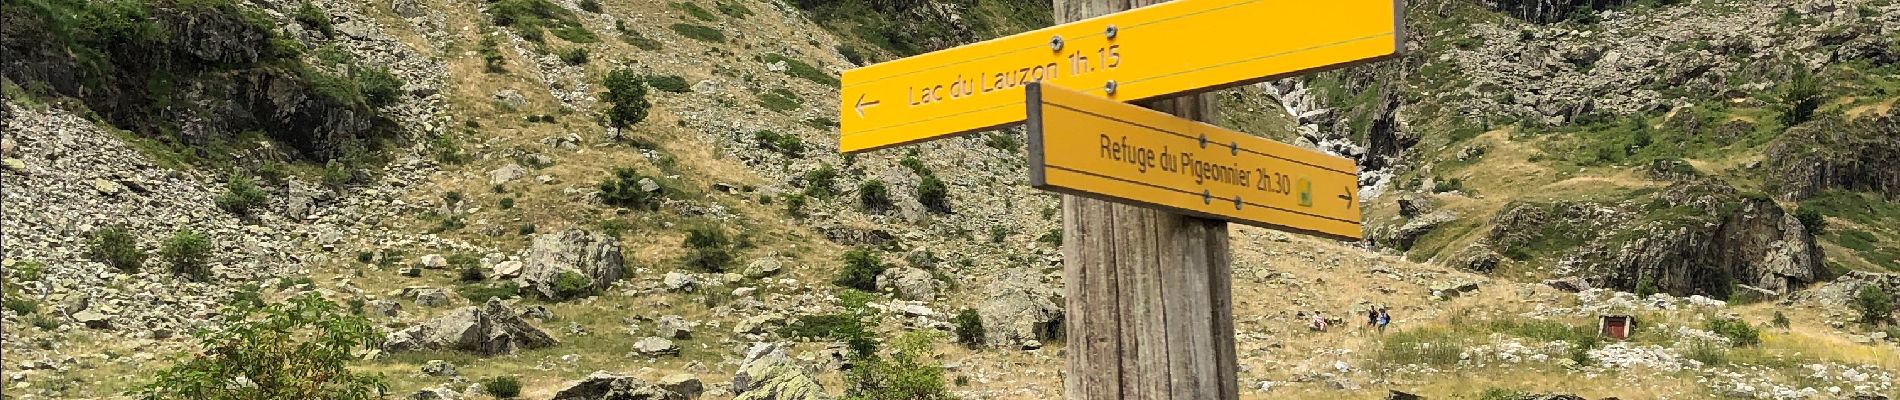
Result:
[[1319, 322], [1383, 320], [1372, 317]]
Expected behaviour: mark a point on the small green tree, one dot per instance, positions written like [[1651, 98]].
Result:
[[874, 196], [380, 87], [969, 327], [1645, 287], [503, 387], [1736, 330], [623, 189], [628, 94], [908, 374], [241, 195], [1874, 304], [822, 182], [299, 349], [861, 268], [1803, 97], [186, 252], [933, 194], [1811, 220], [1780, 321], [116, 247], [710, 249]]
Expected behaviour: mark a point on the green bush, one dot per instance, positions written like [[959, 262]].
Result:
[[801, 70], [669, 83], [115, 246], [1645, 287], [1003, 141], [847, 328], [1448, 185], [709, 249], [506, 203], [785, 144], [1874, 304], [733, 10], [379, 86], [299, 349], [247, 296], [822, 182], [469, 267], [874, 196], [572, 55], [313, 17], [634, 37], [998, 233], [623, 190], [699, 32], [479, 294], [21, 305], [1780, 321], [795, 205], [1803, 97], [1811, 220], [532, 18], [1705, 352], [694, 10], [969, 327], [572, 285], [186, 252], [910, 373], [492, 61], [592, 6], [1736, 330], [933, 194], [628, 94], [1053, 237], [860, 271], [241, 195], [502, 387], [779, 100]]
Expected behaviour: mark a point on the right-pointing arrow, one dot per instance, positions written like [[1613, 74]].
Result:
[[1347, 196], [864, 104]]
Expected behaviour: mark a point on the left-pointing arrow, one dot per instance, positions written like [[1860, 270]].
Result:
[[864, 104]]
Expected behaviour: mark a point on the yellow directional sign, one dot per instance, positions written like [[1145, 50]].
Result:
[[1177, 47], [1091, 146]]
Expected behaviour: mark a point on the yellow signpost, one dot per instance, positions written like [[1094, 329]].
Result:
[[1091, 146], [1173, 48]]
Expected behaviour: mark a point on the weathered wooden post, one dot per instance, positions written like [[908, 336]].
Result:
[[1149, 313]]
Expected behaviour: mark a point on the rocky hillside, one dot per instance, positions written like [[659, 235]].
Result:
[[606, 199]]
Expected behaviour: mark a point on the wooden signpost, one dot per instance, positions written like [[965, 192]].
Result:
[[1147, 192]]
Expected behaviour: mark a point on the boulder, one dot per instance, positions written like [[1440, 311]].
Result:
[[438, 368], [1571, 284], [433, 261], [1453, 289], [506, 270], [673, 327], [768, 374], [909, 283], [596, 256], [490, 329], [1412, 205], [655, 346], [764, 267], [505, 174], [436, 393], [685, 385], [1019, 308], [93, 319], [383, 308], [433, 297], [679, 282], [602, 385]]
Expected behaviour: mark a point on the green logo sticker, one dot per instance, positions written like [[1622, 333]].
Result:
[[1306, 192]]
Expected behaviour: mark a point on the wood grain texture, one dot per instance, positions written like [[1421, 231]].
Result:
[[1148, 293]]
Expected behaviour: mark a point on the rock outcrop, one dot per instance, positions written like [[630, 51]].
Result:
[[594, 255], [490, 329], [602, 385], [1020, 309], [1857, 155], [909, 283], [768, 374]]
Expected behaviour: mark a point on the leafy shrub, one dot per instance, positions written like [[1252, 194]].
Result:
[[634, 37], [115, 246], [21, 305], [873, 196], [861, 268], [299, 349], [1003, 141], [1705, 352], [572, 285], [802, 70], [699, 32], [969, 327], [628, 94], [247, 296], [502, 387], [1736, 330], [785, 144], [592, 6], [1811, 220], [795, 205], [506, 203], [822, 182], [623, 190], [710, 249], [779, 100], [1645, 287], [532, 18], [469, 267], [1803, 97], [449, 223], [910, 373], [694, 10], [492, 61], [1874, 304], [1053, 237], [314, 17], [733, 10], [669, 83], [241, 195], [1448, 185], [379, 86], [1780, 321], [932, 193], [479, 294], [186, 252], [446, 151], [572, 55], [998, 233], [847, 328]]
